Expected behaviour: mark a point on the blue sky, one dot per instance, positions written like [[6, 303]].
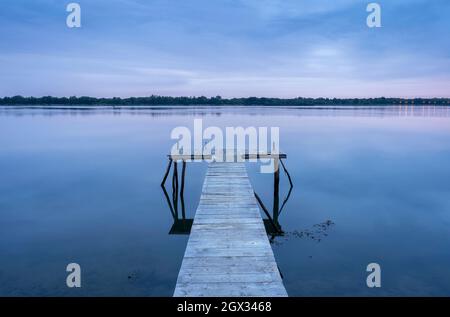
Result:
[[232, 48]]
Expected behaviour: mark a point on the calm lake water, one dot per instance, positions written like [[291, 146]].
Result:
[[370, 185]]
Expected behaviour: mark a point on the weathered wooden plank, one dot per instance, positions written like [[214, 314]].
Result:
[[228, 277], [228, 253], [272, 289]]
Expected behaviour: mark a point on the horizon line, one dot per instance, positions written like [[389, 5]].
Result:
[[219, 97]]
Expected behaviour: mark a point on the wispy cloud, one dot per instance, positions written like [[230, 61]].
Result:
[[225, 47]]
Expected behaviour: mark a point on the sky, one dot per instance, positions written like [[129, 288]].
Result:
[[231, 48]]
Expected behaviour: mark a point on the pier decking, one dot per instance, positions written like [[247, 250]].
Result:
[[228, 252]]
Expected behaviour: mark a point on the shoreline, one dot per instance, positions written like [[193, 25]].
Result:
[[218, 101], [210, 106]]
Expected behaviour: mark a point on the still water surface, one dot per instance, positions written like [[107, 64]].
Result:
[[370, 185]]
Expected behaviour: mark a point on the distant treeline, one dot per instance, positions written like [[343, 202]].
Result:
[[161, 100]]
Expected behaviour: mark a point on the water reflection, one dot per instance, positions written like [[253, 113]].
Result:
[[180, 226], [217, 111], [73, 189], [272, 224]]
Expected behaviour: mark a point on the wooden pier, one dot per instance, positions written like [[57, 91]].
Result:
[[228, 252]]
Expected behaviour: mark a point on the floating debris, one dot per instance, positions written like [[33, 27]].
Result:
[[316, 233], [133, 275]]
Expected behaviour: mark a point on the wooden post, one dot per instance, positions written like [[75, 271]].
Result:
[[167, 172], [276, 190], [175, 187], [183, 173]]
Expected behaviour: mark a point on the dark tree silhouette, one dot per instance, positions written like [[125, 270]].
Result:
[[202, 100]]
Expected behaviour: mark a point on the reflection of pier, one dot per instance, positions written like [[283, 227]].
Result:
[[183, 225], [228, 252], [272, 224]]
